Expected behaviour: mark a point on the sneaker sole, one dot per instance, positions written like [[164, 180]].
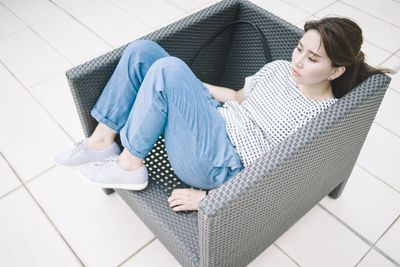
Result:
[[135, 187]]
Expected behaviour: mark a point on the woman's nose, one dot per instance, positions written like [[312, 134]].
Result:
[[299, 62]]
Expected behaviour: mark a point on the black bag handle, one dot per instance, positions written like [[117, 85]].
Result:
[[229, 25]]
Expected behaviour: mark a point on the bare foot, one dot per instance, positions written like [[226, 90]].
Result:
[[185, 199]]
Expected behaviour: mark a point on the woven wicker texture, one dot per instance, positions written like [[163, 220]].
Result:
[[249, 212], [177, 231], [273, 193]]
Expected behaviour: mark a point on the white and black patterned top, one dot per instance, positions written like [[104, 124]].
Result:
[[274, 108]]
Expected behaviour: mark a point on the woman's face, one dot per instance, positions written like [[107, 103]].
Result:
[[310, 64]]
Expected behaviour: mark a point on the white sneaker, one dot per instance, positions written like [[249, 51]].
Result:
[[81, 154], [108, 174]]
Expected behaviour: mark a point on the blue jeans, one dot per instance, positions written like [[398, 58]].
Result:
[[152, 93]]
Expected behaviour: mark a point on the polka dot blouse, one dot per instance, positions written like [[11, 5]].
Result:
[[273, 109]]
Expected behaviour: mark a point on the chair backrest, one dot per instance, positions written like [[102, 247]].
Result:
[[235, 53]]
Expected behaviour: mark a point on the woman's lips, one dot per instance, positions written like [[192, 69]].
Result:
[[294, 72]]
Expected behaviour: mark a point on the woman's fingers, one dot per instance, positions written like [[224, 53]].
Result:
[[185, 199], [181, 208], [176, 202], [176, 193]]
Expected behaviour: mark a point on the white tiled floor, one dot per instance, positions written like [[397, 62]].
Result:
[[50, 217]]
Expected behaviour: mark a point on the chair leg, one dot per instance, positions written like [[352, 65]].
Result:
[[337, 192], [108, 191]]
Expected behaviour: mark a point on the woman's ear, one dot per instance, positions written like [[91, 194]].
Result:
[[336, 72]]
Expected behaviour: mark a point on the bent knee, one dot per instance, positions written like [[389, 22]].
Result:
[[172, 73], [147, 47], [171, 64]]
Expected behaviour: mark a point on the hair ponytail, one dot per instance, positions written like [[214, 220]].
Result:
[[354, 75]]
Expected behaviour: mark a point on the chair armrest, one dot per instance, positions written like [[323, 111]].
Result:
[[249, 212]]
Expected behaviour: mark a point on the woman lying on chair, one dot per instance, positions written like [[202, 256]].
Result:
[[152, 93]]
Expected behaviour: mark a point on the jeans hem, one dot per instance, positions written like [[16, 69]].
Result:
[[130, 149], [100, 118]]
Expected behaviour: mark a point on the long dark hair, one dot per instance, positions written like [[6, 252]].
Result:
[[342, 39]]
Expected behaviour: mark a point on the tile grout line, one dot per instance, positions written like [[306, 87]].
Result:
[[51, 117], [36, 100], [394, 91], [363, 257], [11, 191], [387, 129], [137, 251], [23, 185], [372, 245], [152, 28], [197, 8], [311, 13], [21, 181], [339, 1], [18, 81], [176, 5], [391, 54], [40, 174], [329, 5], [30, 27], [370, 172], [375, 176], [287, 255], [130, 14], [81, 23], [25, 87], [370, 14], [18, 18], [387, 229]]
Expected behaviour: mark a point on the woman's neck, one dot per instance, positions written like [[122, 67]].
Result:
[[317, 92]]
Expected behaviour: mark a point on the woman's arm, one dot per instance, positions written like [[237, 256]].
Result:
[[223, 94]]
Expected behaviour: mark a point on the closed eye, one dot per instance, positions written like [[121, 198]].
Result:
[[311, 59]]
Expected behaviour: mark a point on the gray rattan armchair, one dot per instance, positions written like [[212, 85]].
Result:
[[254, 208]]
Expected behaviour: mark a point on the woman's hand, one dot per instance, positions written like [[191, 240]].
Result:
[[223, 94], [185, 199]]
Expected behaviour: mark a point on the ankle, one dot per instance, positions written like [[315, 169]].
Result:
[[101, 138], [129, 166], [129, 162], [98, 143]]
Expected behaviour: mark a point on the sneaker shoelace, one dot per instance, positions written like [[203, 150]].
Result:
[[78, 147], [107, 163]]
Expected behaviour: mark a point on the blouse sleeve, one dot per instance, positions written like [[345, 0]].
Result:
[[267, 72], [248, 85]]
